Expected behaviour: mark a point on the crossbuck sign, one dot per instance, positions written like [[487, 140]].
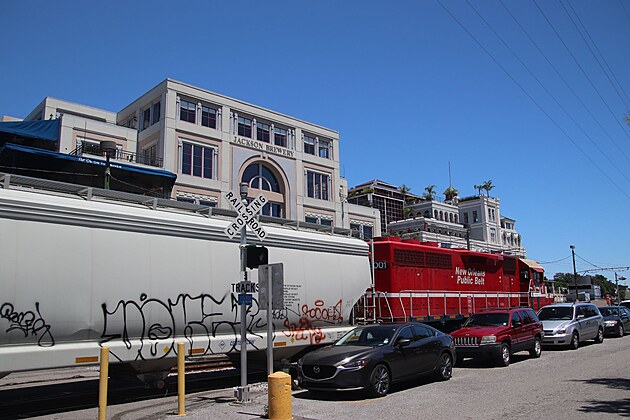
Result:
[[246, 215]]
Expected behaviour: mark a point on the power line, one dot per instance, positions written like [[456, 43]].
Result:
[[548, 92], [592, 52], [581, 69], [559, 74], [556, 261], [531, 98]]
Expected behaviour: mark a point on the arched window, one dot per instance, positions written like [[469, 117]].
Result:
[[427, 214], [260, 177], [435, 214]]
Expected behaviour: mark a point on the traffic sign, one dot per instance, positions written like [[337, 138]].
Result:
[[277, 285], [244, 299], [246, 215]]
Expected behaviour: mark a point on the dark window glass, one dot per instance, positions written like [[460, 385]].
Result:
[[186, 158], [421, 332], [309, 145], [208, 117], [156, 113], [515, 318], [280, 137], [532, 315], [187, 111], [310, 219], [197, 160], [207, 162], [244, 127], [262, 132], [324, 148], [146, 118], [197, 155], [406, 332], [325, 222], [475, 216], [367, 232]]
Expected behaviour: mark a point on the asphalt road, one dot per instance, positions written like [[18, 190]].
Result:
[[591, 381]]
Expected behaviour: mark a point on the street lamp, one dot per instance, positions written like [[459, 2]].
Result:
[[574, 271]]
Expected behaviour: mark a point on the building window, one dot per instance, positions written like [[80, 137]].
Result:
[[146, 118], [260, 177], [280, 136], [475, 216], [187, 111], [156, 113], [466, 217], [198, 160], [317, 185], [208, 117], [309, 145], [361, 231], [324, 149], [262, 132], [149, 155], [493, 235], [245, 127], [318, 220]]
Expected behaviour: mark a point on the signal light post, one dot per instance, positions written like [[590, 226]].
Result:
[[574, 273]]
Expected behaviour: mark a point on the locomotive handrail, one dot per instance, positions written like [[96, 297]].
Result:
[[409, 294]]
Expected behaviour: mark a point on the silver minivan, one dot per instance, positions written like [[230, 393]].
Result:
[[568, 324]]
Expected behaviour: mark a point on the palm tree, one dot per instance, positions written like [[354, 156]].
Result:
[[450, 193], [487, 186], [429, 192], [404, 190], [478, 188]]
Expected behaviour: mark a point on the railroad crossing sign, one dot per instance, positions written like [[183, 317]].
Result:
[[246, 215]]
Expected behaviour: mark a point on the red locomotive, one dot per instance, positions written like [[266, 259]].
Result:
[[414, 280]]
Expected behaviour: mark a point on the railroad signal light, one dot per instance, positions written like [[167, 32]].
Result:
[[256, 255]]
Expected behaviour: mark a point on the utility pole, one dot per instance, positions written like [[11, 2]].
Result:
[[574, 272], [617, 280]]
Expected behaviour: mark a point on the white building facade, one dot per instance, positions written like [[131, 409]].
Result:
[[213, 143]]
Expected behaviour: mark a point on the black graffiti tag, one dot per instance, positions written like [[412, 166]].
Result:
[[28, 323]]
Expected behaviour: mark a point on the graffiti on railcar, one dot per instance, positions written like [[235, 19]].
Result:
[[30, 323], [306, 329], [187, 316]]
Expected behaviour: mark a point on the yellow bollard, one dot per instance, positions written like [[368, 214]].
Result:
[[279, 399], [181, 381], [102, 384]]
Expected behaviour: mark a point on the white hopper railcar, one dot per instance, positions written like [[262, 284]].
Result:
[[78, 272]]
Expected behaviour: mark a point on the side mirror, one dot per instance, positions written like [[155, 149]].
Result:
[[580, 316], [403, 342], [517, 324]]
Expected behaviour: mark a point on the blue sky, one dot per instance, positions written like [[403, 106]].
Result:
[[409, 85]]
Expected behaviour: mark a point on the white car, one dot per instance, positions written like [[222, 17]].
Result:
[[568, 324]]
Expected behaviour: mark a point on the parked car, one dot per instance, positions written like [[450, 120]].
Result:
[[372, 357], [499, 333], [625, 303], [616, 319], [569, 324]]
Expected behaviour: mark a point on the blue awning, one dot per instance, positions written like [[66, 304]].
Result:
[[83, 170], [10, 147], [42, 130]]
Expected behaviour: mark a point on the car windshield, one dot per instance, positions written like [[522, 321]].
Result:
[[368, 336], [609, 311], [488, 320], [557, 313]]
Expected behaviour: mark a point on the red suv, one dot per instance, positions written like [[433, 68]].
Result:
[[499, 333]]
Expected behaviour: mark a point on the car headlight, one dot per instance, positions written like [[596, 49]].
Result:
[[561, 331], [488, 339], [610, 323], [356, 364]]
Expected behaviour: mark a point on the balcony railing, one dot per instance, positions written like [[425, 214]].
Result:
[[121, 155]]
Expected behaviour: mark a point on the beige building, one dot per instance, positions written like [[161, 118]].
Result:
[[213, 143]]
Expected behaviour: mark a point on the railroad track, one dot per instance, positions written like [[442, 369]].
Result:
[[70, 392]]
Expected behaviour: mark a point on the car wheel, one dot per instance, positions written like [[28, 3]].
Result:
[[445, 370], [505, 355], [536, 349], [620, 332], [599, 338], [575, 341], [380, 380]]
